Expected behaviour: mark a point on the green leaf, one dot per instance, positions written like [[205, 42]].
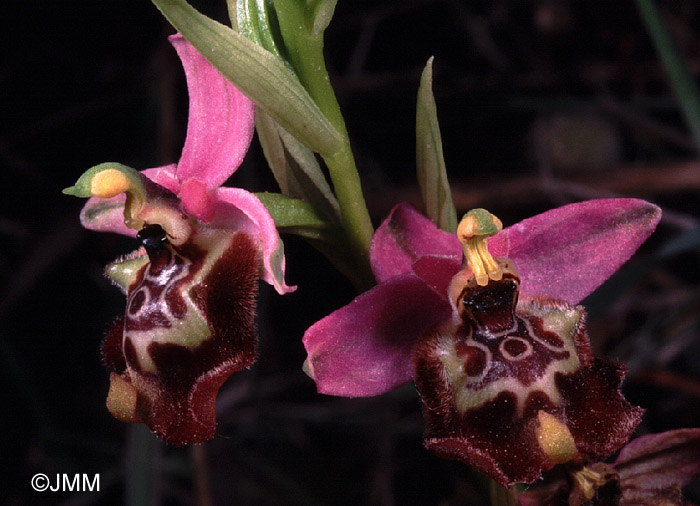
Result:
[[293, 164], [301, 24], [257, 21], [296, 216], [305, 49], [295, 167], [682, 81], [262, 76], [430, 163]]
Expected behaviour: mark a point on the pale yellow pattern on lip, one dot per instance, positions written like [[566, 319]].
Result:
[[466, 389], [192, 329]]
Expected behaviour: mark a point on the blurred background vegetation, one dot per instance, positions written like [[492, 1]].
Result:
[[541, 102]]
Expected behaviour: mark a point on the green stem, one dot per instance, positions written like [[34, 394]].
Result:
[[201, 476], [353, 210], [680, 79], [306, 55], [501, 496], [142, 466]]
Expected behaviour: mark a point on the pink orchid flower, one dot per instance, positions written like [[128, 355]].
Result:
[[504, 368], [191, 288], [649, 471]]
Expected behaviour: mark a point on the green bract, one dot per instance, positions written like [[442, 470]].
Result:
[[430, 164], [261, 75]]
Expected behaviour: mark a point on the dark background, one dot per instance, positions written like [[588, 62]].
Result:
[[540, 102]]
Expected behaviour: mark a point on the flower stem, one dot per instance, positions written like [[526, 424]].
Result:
[[143, 469], [305, 46], [201, 476], [501, 496], [353, 210]]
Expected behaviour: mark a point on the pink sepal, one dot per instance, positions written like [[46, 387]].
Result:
[[196, 200], [564, 253], [568, 252], [364, 348], [221, 121], [106, 215], [241, 210], [166, 176]]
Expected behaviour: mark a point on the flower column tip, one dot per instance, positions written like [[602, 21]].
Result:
[[108, 180], [473, 231]]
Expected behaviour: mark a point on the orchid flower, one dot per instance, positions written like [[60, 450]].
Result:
[[649, 471], [497, 346], [191, 288]]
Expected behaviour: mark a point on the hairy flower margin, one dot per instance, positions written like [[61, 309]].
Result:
[[507, 420], [191, 288]]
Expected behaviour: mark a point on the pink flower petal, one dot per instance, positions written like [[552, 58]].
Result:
[[658, 461], [166, 176], [105, 215], [568, 252], [564, 253], [405, 236], [196, 200], [364, 348], [437, 271], [221, 121], [241, 210]]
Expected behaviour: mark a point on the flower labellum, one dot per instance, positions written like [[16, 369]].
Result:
[[191, 287], [509, 384]]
